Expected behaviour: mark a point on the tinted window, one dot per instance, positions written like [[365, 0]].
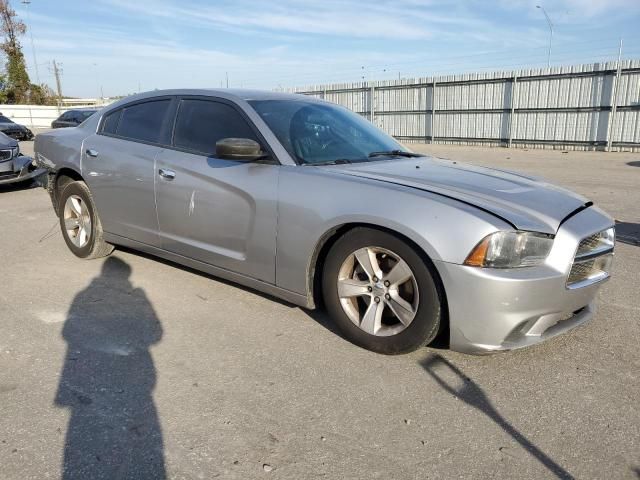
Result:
[[110, 123], [143, 121], [202, 123], [4, 119]]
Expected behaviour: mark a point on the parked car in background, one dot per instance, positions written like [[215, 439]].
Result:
[[14, 130], [15, 167], [73, 118], [308, 201]]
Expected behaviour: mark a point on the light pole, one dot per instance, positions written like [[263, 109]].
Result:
[[550, 33], [98, 81], [26, 4]]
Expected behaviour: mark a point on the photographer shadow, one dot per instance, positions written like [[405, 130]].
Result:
[[108, 379]]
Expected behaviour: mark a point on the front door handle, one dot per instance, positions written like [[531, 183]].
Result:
[[166, 173], [92, 153]]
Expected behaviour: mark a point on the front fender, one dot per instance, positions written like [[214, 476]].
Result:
[[314, 202]]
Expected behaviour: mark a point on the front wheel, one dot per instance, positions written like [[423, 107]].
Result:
[[80, 224], [381, 293]]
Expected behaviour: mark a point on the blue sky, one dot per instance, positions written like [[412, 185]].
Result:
[[122, 46]]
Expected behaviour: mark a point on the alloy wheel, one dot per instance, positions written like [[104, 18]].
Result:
[[77, 221], [378, 291]]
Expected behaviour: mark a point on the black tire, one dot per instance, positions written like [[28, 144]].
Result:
[[426, 323], [96, 247]]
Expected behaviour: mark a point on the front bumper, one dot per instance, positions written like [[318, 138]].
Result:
[[19, 133], [19, 169], [504, 309]]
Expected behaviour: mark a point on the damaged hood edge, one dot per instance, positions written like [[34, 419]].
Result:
[[526, 203]]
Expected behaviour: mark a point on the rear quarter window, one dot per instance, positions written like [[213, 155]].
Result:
[[143, 121], [110, 122]]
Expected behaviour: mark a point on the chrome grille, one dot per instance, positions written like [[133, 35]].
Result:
[[6, 155], [593, 259], [588, 244], [580, 271]]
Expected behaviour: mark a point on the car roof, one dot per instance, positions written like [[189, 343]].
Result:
[[227, 93]]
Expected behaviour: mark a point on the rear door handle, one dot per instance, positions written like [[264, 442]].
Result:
[[166, 173], [92, 153]]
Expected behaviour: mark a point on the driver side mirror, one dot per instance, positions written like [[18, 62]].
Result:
[[239, 149]]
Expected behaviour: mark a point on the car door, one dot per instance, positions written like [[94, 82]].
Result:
[[119, 166], [217, 211]]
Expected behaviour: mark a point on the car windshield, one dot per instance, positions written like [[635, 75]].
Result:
[[320, 133], [4, 119]]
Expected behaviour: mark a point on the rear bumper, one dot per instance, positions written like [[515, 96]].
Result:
[[494, 310]]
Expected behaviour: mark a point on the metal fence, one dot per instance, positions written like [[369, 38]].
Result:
[[585, 107]]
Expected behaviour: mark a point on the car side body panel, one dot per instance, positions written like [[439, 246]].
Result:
[[61, 149], [311, 203], [219, 212], [122, 180]]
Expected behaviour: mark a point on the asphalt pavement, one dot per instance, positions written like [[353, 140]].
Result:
[[186, 376]]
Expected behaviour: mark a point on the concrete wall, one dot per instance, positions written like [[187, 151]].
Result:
[[583, 107], [33, 116]]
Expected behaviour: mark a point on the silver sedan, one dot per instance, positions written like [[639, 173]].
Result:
[[309, 202]]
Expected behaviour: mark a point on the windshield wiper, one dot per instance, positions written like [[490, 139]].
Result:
[[395, 153], [337, 161]]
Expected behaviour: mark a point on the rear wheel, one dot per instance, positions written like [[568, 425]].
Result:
[[79, 221], [381, 293]]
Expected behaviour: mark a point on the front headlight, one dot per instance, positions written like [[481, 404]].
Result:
[[510, 250]]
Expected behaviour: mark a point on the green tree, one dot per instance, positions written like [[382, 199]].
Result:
[[17, 84], [3, 90], [41, 95]]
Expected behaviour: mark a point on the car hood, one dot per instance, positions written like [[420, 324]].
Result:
[[4, 125], [528, 203], [6, 141]]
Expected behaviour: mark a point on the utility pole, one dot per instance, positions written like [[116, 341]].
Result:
[[56, 72], [227, 75], [26, 4], [550, 33]]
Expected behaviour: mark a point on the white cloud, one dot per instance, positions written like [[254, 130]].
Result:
[[164, 43], [402, 19]]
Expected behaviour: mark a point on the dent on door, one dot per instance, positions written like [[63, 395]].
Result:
[[219, 211], [213, 216]]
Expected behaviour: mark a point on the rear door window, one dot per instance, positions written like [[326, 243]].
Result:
[[144, 121], [201, 123]]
